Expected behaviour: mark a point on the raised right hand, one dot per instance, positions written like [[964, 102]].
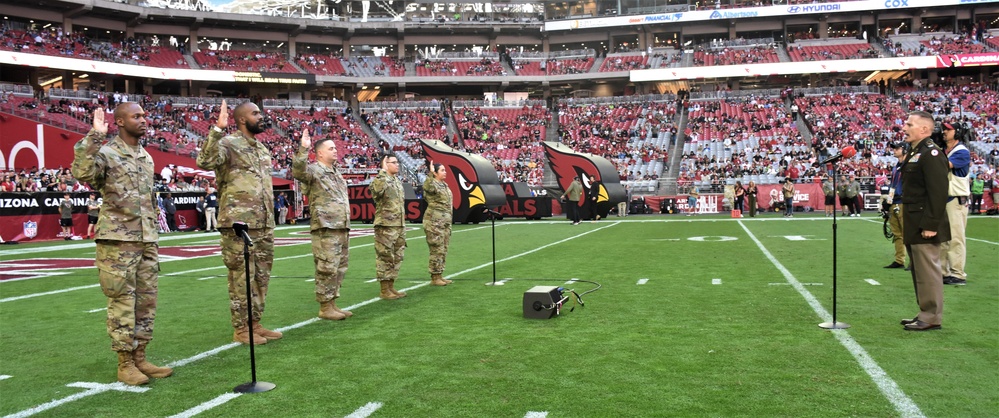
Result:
[[306, 139], [99, 124], [223, 116]]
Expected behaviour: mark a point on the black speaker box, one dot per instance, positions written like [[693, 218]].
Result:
[[540, 302]]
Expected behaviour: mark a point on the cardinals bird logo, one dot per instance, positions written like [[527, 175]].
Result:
[[605, 185], [472, 179]]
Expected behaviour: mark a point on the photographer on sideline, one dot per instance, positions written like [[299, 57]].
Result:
[[953, 253], [893, 205]]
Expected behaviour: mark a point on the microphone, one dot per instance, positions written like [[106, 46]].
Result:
[[240, 229], [493, 212], [847, 152]]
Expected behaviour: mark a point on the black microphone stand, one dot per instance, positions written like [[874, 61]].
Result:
[[492, 218], [834, 324], [253, 386]]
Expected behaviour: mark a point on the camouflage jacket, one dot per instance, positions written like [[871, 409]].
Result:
[[326, 190], [438, 197], [124, 176], [243, 174], [387, 192]]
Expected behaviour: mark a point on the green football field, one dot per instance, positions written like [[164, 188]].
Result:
[[694, 316]]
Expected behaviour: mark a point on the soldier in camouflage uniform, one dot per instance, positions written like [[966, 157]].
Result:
[[437, 221], [127, 251], [330, 212], [242, 168], [390, 232]]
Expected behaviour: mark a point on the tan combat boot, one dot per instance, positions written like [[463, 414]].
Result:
[[436, 280], [346, 314], [127, 372], [386, 292], [266, 333], [242, 335], [147, 368], [447, 281], [326, 311], [392, 289]]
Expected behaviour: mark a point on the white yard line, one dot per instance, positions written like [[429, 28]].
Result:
[[642, 281], [53, 292], [905, 406], [221, 399], [92, 389], [982, 240], [535, 414], [366, 410]]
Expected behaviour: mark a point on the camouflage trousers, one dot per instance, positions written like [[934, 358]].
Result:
[[390, 245], [330, 248], [129, 276], [261, 261], [438, 234]]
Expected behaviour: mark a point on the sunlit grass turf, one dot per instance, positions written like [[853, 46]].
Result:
[[675, 346]]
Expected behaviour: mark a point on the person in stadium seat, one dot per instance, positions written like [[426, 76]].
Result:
[[924, 220], [329, 209], [242, 166], [437, 222], [127, 257], [390, 230]]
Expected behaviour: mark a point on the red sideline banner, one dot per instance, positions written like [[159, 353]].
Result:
[[362, 204]]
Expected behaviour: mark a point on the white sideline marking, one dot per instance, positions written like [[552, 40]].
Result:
[[310, 280], [92, 389], [5, 376], [534, 414], [872, 282], [642, 281], [97, 310], [902, 403], [571, 281], [371, 281], [207, 278], [221, 399], [54, 292], [789, 284], [982, 240], [366, 410], [715, 281]]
